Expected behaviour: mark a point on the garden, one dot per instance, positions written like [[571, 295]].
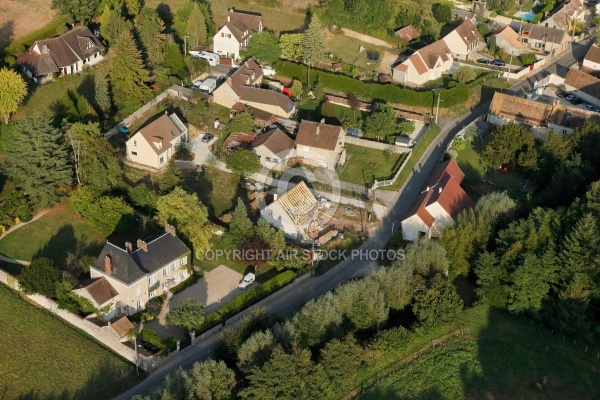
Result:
[[363, 165]]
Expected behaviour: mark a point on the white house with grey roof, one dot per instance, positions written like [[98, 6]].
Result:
[[233, 37], [62, 55], [155, 144], [127, 277]]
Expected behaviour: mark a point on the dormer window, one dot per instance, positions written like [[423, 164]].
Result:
[[89, 45]]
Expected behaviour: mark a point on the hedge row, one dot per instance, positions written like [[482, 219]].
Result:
[[456, 93], [42, 33]]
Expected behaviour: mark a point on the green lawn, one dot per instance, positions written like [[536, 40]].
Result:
[[364, 165], [44, 97], [61, 231], [417, 152], [345, 116], [217, 244], [42, 357], [347, 49], [480, 180], [498, 356], [217, 189]]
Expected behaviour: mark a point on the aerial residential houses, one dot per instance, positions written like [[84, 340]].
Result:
[[233, 37], [62, 55], [569, 13], [530, 38], [320, 144]]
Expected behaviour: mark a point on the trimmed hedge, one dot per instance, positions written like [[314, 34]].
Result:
[[455, 94], [252, 296], [42, 33], [186, 284]]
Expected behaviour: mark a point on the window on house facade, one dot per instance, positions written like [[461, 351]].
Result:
[[184, 260], [134, 153], [152, 294], [164, 272], [161, 160], [134, 143], [268, 159], [275, 160], [222, 34], [138, 304], [151, 280]]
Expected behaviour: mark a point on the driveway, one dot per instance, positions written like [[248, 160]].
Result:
[[366, 38], [387, 60], [216, 288], [202, 150]]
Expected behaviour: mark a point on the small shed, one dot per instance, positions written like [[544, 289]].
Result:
[[336, 67], [385, 78], [361, 75]]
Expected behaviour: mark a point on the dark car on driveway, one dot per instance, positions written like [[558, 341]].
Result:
[[207, 138], [483, 61], [561, 94], [498, 63], [576, 101]]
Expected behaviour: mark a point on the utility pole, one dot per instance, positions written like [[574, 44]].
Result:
[[509, 66], [437, 111]]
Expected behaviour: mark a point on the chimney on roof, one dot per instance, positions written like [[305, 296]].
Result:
[[129, 247], [427, 189], [228, 15], [170, 229], [322, 121], [107, 264], [45, 49], [166, 112], [142, 245], [440, 190]]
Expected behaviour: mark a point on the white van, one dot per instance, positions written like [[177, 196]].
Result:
[[212, 58], [208, 86]]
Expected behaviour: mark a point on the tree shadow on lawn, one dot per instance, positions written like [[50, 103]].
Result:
[[107, 381], [64, 241]]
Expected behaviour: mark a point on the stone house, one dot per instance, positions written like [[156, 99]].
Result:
[[584, 86], [126, 278], [320, 144], [155, 144], [507, 40], [273, 147], [62, 55], [591, 61], [568, 14], [233, 37], [438, 205], [541, 39]]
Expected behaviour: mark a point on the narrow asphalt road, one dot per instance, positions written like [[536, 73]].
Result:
[[284, 302]]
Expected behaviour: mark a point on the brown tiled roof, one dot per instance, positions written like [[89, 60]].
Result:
[[593, 54], [408, 33], [540, 32], [275, 140], [256, 112], [79, 39], [122, 327], [266, 96], [100, 289], [520, 109], [510, 35], [431, 53], [247, 74], [563, 17], [571, 117], [239, 140], [38, 64], [162, 131], [452, 198], [468, 32], [584, 82], [319, 135], [240, 22]]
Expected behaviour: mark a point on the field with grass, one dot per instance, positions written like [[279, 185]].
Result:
[[347, 49], [216, 189], [43, 98], [479, 180], [42, 357], [363, 165], [278, 18], [60, 231], [489, 354], [20, 18]]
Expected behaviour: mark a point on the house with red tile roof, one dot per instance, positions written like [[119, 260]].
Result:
[[568, 14], [438, 204], [464, 40], [424, 65]]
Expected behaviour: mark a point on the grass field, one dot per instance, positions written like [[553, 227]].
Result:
[[498, 356], [347, 49], [44, 97], [479, 180], [42, 357], [365, 165], [217, 189], [62, 230], [19, 19], [278, 19]]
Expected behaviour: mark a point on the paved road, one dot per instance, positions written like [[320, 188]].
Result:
[[284, 302]]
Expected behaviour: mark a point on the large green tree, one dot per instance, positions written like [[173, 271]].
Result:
[[38, 161], [150, 27], [13, 90], [511, 144], [82, 11], [189, 315], [442, 12], [240, 227], [95, 161], [184, 211], [188, 22], [291, 45], [102, 95], [264, 47], [170, 178], [313, 45], [243, 163], [113, 23], [438, 303], [128, 75], [107, 213], [41, 276], [382, 121]]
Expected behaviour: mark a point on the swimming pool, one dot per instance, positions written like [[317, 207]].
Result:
[[529, 15]]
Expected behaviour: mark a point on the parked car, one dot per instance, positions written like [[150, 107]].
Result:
[[247, 281], [483, 61], [561, 94], [498, 63], [576, 101], [354, 132], [207, 138], [570, 97], [588, 107]]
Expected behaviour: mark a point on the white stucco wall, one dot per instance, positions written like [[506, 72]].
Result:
[[222, 44], [411, 228]]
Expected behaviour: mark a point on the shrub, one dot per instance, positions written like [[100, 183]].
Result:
[[464, 75], [527, 59], [41, 276], [142, 197], [153, 307], [149, 336], [454, 95]]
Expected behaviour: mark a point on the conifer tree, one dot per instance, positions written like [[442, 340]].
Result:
[[240, 227], [103, 94], [313, 45], [150, 27], [170, 178], [128, 76]]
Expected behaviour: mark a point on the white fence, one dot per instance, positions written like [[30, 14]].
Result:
[[375, 145]]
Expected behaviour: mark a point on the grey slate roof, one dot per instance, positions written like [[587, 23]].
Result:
[[128, 268]]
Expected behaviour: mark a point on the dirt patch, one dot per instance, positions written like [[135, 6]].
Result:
[[387, 60], [366, 38], [19, 18]]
